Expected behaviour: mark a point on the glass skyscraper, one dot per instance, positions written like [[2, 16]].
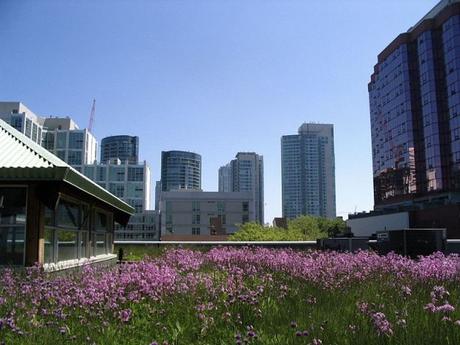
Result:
[[308, 172], [180, 170], [415, 110], [123, 147], [245, 174]]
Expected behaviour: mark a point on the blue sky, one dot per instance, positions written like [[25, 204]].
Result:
[[213, 77]]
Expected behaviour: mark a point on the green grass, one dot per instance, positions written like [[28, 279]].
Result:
[[330, 315], [175, 320]]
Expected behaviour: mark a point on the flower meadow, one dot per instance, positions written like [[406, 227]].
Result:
[[238, 296]]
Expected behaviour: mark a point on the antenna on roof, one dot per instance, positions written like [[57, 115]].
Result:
[[92, 116]]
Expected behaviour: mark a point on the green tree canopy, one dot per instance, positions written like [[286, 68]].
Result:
[[304, 228]]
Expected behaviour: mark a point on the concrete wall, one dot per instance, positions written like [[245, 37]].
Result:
[[367, 226], [177, 211]]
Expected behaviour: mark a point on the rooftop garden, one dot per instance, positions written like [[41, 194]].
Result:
[[238, 296]]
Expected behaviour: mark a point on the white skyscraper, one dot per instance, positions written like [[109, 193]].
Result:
[[245, 174], [18, 116], [308, 171]]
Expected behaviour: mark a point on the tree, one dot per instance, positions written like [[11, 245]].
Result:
[[303, 228]]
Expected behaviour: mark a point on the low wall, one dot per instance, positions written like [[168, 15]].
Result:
[[210, 244], [452, 245]]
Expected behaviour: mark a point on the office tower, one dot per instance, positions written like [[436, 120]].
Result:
[[18, 116], [204, 213], [308, 171], [157, 194], [74, 146], [225, 178], [123, 147], [414, 97], [129, 182], [180, 170], [245, 174], [59, 135]]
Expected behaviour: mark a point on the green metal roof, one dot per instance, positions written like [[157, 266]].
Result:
[[23, 159]]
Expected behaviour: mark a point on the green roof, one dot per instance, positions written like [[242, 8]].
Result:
[[23, 159]]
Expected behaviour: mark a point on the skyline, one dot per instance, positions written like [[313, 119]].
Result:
[[175, 65]]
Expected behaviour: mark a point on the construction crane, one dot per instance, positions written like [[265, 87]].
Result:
[[91, 117]]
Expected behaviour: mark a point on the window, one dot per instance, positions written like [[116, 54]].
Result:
[[28, 131], [135, 174], [75, 140], [196, 219], [196, 231], [196, 206], [66, 231], [49, 245], [220, 207], [12, 225], [102, 235], [245, 206], [67, 245], [74, 158], [61, 154], [61, 140]]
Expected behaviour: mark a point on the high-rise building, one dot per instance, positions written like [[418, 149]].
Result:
[[308, 172], [414, 97], [129, 182], [180, 170], [245, 174], [157, 194], [123, 147], [74, 146], [59, 135], [18, 116], [225, 178]]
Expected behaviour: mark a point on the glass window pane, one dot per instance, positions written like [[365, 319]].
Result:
[[12, 245], [67, 245], [101, 221], [12, 225], [109, 243], [75, 140], [100, 244], [49, 245], [12, 206], [67, 215], [83, 244], [61, 140], [49, 216]]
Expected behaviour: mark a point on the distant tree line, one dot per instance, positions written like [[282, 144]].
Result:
[[304, 228]]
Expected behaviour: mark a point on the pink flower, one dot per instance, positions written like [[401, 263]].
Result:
[[125, 315], [381, 323]]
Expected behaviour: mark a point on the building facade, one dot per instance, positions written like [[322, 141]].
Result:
[[22, 119], [123, 147], [308, 172], [76, 147], [180, 170], [205, 213], [225, 178], [245, 174], [414, 97], [59, 135], [143, 226], [129, 182]]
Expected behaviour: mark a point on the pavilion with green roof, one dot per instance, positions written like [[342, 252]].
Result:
[[49, 212]]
